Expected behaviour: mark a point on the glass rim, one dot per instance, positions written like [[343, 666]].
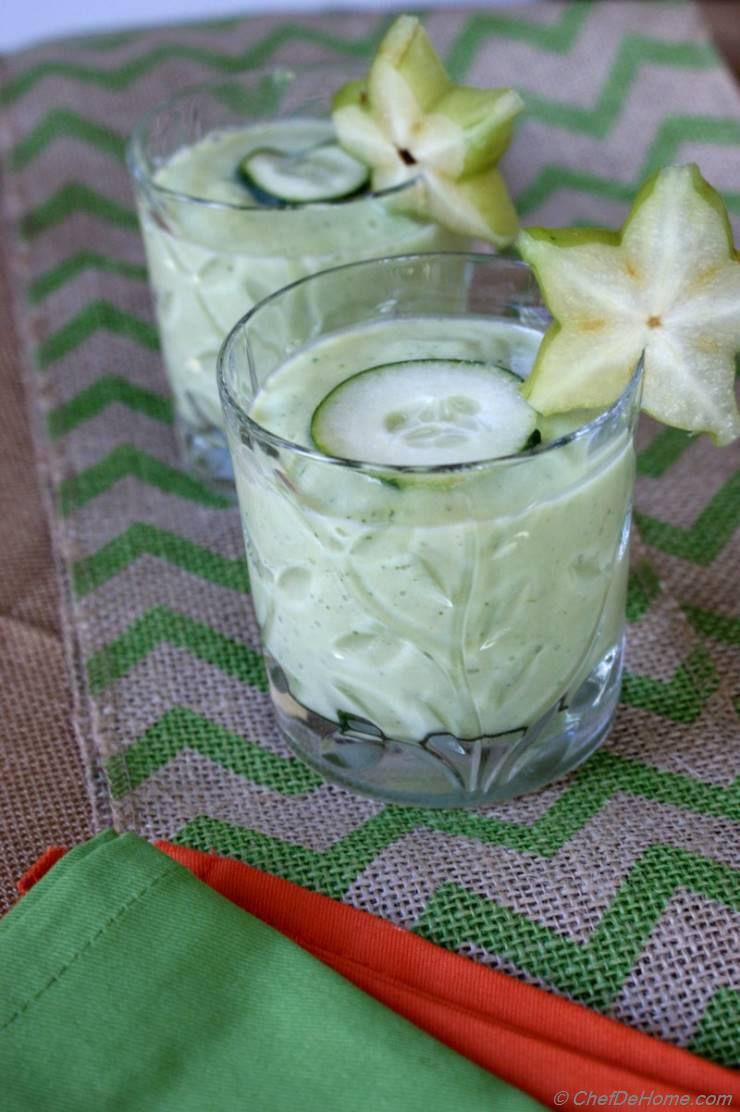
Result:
[[139, 165], [276, 441]]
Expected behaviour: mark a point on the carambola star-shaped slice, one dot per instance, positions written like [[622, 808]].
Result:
[[408, 122], [666, 286]]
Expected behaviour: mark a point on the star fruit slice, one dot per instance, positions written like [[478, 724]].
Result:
[[409, 121], [667, 287]]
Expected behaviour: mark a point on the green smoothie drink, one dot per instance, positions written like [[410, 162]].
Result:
[[217, 242], [446, 630]]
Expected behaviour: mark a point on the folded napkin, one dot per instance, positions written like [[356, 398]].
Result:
[[540, 1042], [127, 984]]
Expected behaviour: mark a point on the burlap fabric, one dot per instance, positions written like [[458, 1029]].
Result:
[[42, 791], [618, 886]]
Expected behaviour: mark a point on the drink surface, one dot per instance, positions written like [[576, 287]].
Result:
[[465, 602], [209, 263]]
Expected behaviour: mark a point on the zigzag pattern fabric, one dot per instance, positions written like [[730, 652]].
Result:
[[618, 886]]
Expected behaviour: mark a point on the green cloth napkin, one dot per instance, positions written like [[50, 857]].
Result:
[[126, 984]]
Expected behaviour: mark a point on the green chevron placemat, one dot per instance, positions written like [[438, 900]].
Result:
[[618, 886]]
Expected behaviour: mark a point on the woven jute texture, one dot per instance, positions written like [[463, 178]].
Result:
[[618, 886], [42, 793]]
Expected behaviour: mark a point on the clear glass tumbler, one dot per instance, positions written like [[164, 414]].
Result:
[[213, 250], [445, 635]]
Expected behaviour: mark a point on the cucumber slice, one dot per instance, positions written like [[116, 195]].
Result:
[[424, 412], [324, 172]]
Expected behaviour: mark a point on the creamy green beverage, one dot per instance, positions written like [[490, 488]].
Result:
[[441, 632], [454, 605], [216, 265], [216, 244]]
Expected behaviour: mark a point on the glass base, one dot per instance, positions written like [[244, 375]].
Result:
[[206, 456], [444, 771]]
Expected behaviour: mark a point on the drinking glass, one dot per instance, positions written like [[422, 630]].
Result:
[[446, 635], [213, 251]]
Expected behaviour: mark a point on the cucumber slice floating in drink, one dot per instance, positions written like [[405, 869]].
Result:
[[425, 412], [325, 172]]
